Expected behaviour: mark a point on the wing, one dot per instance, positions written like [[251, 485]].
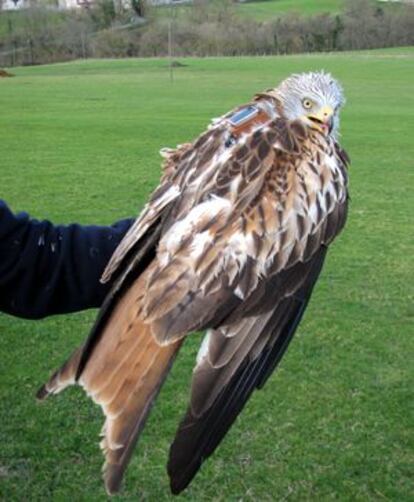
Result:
[[211, 258], [234, 361], [239, 356], [187, 174]]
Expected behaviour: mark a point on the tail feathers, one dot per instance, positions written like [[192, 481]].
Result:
[[62, 378], [123, 373], [125, 390], [126, 414], [123, 433]]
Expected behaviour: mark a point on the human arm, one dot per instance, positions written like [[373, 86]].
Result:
[[48, 269]]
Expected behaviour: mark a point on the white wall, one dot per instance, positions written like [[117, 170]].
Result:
[[9, 5]]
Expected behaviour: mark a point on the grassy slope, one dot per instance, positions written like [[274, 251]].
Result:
[[262, 10], [79, 142]]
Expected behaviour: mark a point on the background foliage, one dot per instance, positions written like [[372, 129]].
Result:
[[206, 28]]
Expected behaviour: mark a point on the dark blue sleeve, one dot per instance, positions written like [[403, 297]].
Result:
[[47, 269]]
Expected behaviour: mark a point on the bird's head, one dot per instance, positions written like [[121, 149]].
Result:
[[313, 98]]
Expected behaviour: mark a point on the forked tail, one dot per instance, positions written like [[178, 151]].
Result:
[[123, 374]]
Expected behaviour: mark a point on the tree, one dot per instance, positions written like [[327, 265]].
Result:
[[139, 7]]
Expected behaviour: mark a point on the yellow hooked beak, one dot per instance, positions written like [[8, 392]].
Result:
[[322, 120]]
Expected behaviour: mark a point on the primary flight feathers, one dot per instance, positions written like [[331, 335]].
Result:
[[232, 242]]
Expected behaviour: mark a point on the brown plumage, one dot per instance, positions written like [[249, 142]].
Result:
[[232, 242]]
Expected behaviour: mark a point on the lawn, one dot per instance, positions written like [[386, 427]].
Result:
[[79, 142]]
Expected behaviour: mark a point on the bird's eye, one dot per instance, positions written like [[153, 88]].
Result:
[[307, 104]]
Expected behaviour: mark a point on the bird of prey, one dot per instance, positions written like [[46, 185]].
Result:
[[232, 241]]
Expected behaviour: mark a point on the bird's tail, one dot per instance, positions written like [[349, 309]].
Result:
[[123, 374], [63, 377]]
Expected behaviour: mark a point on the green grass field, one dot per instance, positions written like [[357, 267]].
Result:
[[79, 142], [265, 9]]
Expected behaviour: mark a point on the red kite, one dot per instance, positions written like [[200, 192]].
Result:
[[232, 242]]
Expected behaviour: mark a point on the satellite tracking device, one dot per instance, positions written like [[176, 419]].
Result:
[[243, 121], [244, 115]]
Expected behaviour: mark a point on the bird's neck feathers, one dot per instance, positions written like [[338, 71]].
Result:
[[270, 102]]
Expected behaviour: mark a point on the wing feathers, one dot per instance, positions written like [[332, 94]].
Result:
[[208, 380], [159, 201], [200, 433]]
